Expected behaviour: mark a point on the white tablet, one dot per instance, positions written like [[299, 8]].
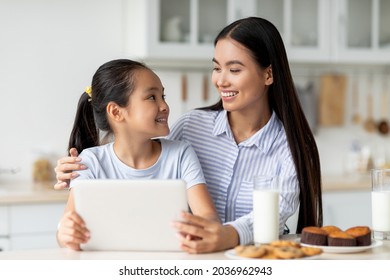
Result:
[[130, 214]]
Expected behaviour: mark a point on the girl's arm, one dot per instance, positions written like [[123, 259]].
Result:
[[201, 203], [71, 229]]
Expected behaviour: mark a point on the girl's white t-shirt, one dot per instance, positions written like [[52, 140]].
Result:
[[177, 161]]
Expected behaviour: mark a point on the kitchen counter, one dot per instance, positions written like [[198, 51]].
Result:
[[29, 214], [22, 193], [17, 193], [378, 253], [346, 183], [346, 202]]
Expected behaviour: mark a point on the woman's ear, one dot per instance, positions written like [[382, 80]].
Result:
[[114, 111], [269, 78]]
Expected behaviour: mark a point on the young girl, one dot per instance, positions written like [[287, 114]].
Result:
[[127, 100]]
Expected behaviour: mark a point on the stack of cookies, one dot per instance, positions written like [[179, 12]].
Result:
[[279, 249]]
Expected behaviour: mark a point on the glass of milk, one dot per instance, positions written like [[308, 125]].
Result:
[[380, 199], [266, 209]]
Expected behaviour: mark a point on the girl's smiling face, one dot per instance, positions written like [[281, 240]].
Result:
[[147, 112], [240, 81]]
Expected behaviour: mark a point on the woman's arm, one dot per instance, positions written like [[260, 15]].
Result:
[[209, 236], [204, 236], [201, 203]]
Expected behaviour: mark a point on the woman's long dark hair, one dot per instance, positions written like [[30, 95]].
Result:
[[113, 82], [264, 42]]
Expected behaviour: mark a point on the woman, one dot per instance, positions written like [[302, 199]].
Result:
[[257, 127]]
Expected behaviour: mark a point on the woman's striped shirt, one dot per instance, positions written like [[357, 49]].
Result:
[[229, 168]]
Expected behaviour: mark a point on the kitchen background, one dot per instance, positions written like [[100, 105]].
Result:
[[339, 52]]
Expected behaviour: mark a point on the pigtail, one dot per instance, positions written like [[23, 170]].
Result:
[[84, 132]]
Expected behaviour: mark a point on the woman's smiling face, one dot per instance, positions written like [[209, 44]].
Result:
[[240, 81]]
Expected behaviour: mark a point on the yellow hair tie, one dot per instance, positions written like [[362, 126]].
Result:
[[88, 90]]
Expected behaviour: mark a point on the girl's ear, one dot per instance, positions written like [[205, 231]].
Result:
[[269, 78], [114, 112]]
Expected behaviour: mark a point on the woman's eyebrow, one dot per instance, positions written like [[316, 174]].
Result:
[[229, 63]]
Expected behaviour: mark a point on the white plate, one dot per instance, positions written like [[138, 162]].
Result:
[[231, 254], [346, 249]]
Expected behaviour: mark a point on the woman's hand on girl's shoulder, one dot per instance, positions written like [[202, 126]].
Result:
[[65, 169]]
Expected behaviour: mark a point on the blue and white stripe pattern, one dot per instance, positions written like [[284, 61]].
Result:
[[229, 168]]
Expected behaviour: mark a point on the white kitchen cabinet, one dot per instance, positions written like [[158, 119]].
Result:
[[33, 241], [151, 26], [29, 226], [342, 31], [4, 244], [4, 229], [172, 29], [363, 31], [4, 224], [347, 208], [303, 24], [181, 32]]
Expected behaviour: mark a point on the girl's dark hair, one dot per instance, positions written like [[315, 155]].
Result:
[[113, 82], [266, 46]]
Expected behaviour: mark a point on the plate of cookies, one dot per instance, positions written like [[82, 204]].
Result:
[[276, 250], [332, 239]]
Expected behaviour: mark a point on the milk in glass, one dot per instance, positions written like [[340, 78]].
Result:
[[380, 203], [381, 211], [265, 209]]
